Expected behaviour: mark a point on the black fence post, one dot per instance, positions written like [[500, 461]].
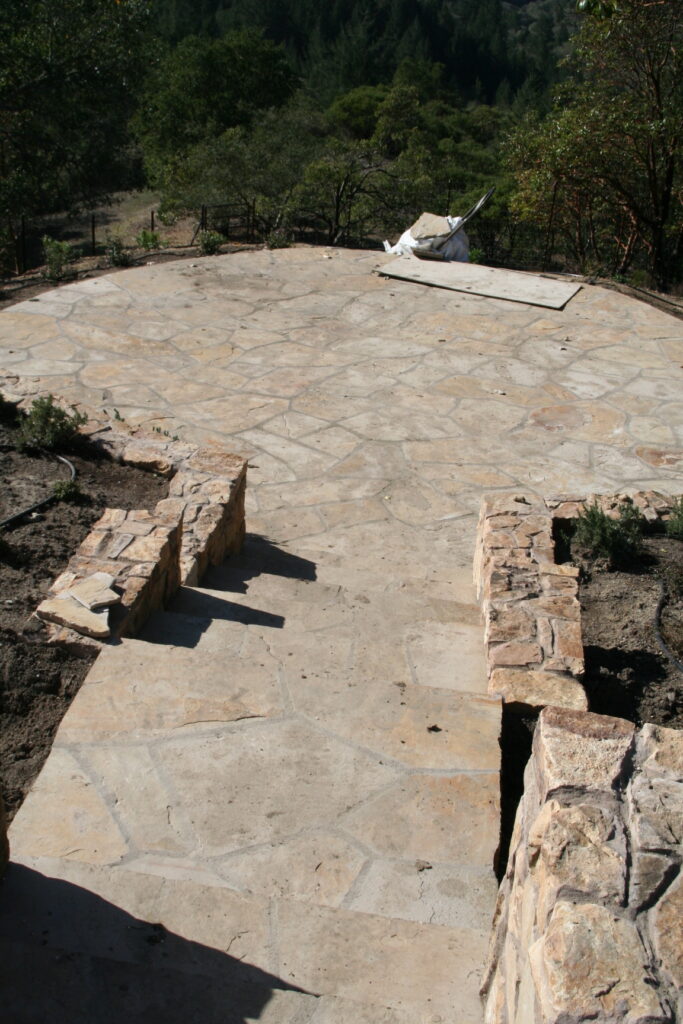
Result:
[[22, 253], [92, 234], [151, 219]]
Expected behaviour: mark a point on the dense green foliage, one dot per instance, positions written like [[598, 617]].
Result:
[[604, 170], [69, 70], [47, 426], [204, 86], [484, 45], [351, 117], [618, 541]]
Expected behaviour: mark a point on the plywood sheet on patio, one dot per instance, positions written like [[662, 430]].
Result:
[[488, 281]]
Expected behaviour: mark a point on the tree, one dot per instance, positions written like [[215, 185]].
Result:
[[259, 167], [341, 189], [203, 87], [68, 73], [605, 168]]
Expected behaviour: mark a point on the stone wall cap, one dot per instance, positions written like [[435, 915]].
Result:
[[579, 750], [587, 724]]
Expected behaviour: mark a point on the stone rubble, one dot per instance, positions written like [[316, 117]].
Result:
[[589, 919]]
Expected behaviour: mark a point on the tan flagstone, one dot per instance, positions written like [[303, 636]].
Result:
[[318, 868], [295, 782], [446, 819], [327, 951], [65, 816], [131, 693]]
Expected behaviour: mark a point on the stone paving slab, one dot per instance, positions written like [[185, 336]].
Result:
[[495, 283], [237, 772]]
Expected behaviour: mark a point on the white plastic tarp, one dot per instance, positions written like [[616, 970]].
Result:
[[456, 247]]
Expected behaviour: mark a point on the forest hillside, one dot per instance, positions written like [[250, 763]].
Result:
[[341, 122]]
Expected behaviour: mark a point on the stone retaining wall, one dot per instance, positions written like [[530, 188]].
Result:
[[589, 919], [532, 616], [139, 558]]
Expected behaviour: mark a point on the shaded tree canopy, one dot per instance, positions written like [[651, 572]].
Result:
[[605, 168], [204, 86], [344, 44], [69, 73]]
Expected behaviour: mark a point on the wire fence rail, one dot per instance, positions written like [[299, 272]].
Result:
[[95, 236]]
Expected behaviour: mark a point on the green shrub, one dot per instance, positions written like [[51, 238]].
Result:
[[147, 239], [674, 525], [117, 255], [50, 427], [476, 255], [58, 256], [618, 541], [279, 238], [68, 490], [209, 242]]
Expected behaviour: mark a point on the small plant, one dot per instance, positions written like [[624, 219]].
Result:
[[674, 525], [58, 256], [278, 238], [118, 416], [165, 433], [117, 255], [50, 427], [68, 490], [618, 541], [476, 255], [209, 242], [148, 240]]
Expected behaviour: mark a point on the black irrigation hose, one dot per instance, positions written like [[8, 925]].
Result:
[[38, 504], [660, 639]]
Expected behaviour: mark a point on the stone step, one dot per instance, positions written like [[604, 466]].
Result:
[[288, 574], [138, 691], [111, 927], [440, 641]]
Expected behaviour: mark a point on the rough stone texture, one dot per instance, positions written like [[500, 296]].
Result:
[[531, 609], [589, 917], [66, 611], [146, 572], [144, 556], [532, 615], [94, 592]]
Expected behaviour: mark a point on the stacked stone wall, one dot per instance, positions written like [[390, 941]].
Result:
[[530, 604], [140, 558], [589, 918]]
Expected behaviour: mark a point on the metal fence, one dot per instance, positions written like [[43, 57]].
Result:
[[498, 243]]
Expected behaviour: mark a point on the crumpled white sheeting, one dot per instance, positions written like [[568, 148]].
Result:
[[456, 248]]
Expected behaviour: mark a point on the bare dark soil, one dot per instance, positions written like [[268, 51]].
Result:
[[629, 673], [38, 682]]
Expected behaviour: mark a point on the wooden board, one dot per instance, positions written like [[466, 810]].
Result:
[[488, 281]]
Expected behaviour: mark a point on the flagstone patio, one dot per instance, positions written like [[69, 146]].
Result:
[[280, 802]]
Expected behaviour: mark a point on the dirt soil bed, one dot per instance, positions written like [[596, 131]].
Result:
[[628, 672], [38, 682]]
